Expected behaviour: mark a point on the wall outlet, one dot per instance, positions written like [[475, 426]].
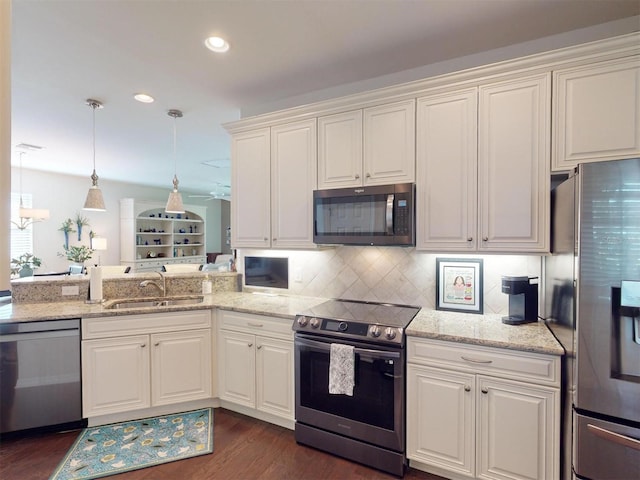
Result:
[[297, 274], [71, 290]]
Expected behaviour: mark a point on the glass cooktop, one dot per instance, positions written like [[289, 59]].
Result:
[[371, 313]]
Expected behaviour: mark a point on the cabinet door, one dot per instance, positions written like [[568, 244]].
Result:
[[251, 205], [274, 376], [389, 143], [340, 150], [446, 168], [596, 113], [517, 430], [441, 418], [293, 179], [236, 373], [115, 375], [180, 366], [513, 165]]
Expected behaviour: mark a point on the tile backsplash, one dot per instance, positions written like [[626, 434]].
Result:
[[389, 274]]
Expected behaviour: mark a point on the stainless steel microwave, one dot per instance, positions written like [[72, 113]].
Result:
[[375, 215]]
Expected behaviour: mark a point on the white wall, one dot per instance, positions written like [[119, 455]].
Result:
[[64, 196]]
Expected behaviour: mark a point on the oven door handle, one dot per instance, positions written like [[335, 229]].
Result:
[[326, 347]]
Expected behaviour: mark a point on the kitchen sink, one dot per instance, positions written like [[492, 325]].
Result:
[[154, 302]]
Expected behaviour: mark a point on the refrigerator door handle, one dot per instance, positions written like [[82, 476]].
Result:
[[614, 437]]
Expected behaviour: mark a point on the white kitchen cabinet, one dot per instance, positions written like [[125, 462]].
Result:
[[596, 113], [132, 362], [483, 168], [256, 366], [482, 412], [273, 176], [151, 238], [250, 185], [293, 179], [372, 146]]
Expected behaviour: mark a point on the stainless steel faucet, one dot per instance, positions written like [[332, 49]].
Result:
[[162, 288]]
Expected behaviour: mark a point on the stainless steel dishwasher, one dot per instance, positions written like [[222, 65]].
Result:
[[40, 375]]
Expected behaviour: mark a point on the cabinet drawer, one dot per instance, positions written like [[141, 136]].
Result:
[[120, 325], [528, 366], [256, 324]]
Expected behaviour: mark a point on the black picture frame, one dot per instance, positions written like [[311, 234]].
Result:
[[459, 285]]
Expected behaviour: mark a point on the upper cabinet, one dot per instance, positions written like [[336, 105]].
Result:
[[483, 168], [372, 146], [596, 113], [273, 176]]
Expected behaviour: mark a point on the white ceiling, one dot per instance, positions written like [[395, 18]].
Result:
[[64, 52]]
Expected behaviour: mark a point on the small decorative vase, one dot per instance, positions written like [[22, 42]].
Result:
[[26, 271], [79, 232], [66, 240]]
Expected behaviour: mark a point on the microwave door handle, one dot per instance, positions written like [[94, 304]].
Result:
[[389, 215]]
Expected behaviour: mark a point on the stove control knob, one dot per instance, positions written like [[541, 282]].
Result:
[[315, 323], [375, 331], [302, 321], [390, 333]]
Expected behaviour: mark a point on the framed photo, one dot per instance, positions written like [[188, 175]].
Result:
[[459, 284]]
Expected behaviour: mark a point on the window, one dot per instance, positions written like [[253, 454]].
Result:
[[21, 240]]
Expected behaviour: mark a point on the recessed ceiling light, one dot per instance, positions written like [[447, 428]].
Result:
[[144, 98], [217, 44]]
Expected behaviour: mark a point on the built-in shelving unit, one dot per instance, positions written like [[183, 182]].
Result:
[[151, 238]]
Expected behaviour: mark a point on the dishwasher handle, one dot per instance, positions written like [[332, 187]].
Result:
[[16, 337]]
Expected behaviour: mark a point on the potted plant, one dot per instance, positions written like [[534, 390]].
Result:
[[24, 264], [77, 254]]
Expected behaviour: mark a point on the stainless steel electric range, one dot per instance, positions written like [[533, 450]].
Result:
[[369, 425]]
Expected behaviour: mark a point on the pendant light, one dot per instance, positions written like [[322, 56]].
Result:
[[28, 216], [94, 200], [174, 204]]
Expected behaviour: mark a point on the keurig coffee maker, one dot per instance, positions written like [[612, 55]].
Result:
[[523, 299]]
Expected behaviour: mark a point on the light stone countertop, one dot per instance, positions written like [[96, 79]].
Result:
[[487, 330]]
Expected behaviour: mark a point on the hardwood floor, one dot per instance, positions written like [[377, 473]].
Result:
[[244, 449]]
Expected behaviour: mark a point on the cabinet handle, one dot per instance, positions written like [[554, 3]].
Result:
[[467, 388], [275, 239], [143, 345], [485, 239], [357, 176], [265, 239], [475, 360], [157, 344], [259, 347], [250, 345], [469, 239], [251, 324], [614, 437], [485, 390]]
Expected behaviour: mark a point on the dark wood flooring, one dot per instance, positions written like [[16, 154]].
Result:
[[244, 449]]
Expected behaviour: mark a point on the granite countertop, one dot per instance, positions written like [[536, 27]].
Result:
[[487, 330]]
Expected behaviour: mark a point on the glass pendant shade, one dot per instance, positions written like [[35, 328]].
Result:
[[174, 203], [94, 201]]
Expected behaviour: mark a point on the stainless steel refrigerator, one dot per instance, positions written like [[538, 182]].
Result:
[[592, 304]]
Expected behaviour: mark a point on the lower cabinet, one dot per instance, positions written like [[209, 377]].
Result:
[[255, 368], [480, 412], [141, 361]]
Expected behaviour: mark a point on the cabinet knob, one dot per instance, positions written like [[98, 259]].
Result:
[[265, 239], [143, 345], [259, 347], [157, 344], [250, 345], [467, 388], [485, 390], [469, 239], [357, 176], [485, 239], [275, 239], [368, 175]]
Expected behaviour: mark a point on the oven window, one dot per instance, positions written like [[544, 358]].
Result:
[[372, 402], [348, 216]]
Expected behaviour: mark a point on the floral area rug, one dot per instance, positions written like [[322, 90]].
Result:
[[121, 447]]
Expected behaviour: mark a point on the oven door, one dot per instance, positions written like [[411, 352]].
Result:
[[375, 412]]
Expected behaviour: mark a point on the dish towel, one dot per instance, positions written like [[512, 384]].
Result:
[[341, 369]]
